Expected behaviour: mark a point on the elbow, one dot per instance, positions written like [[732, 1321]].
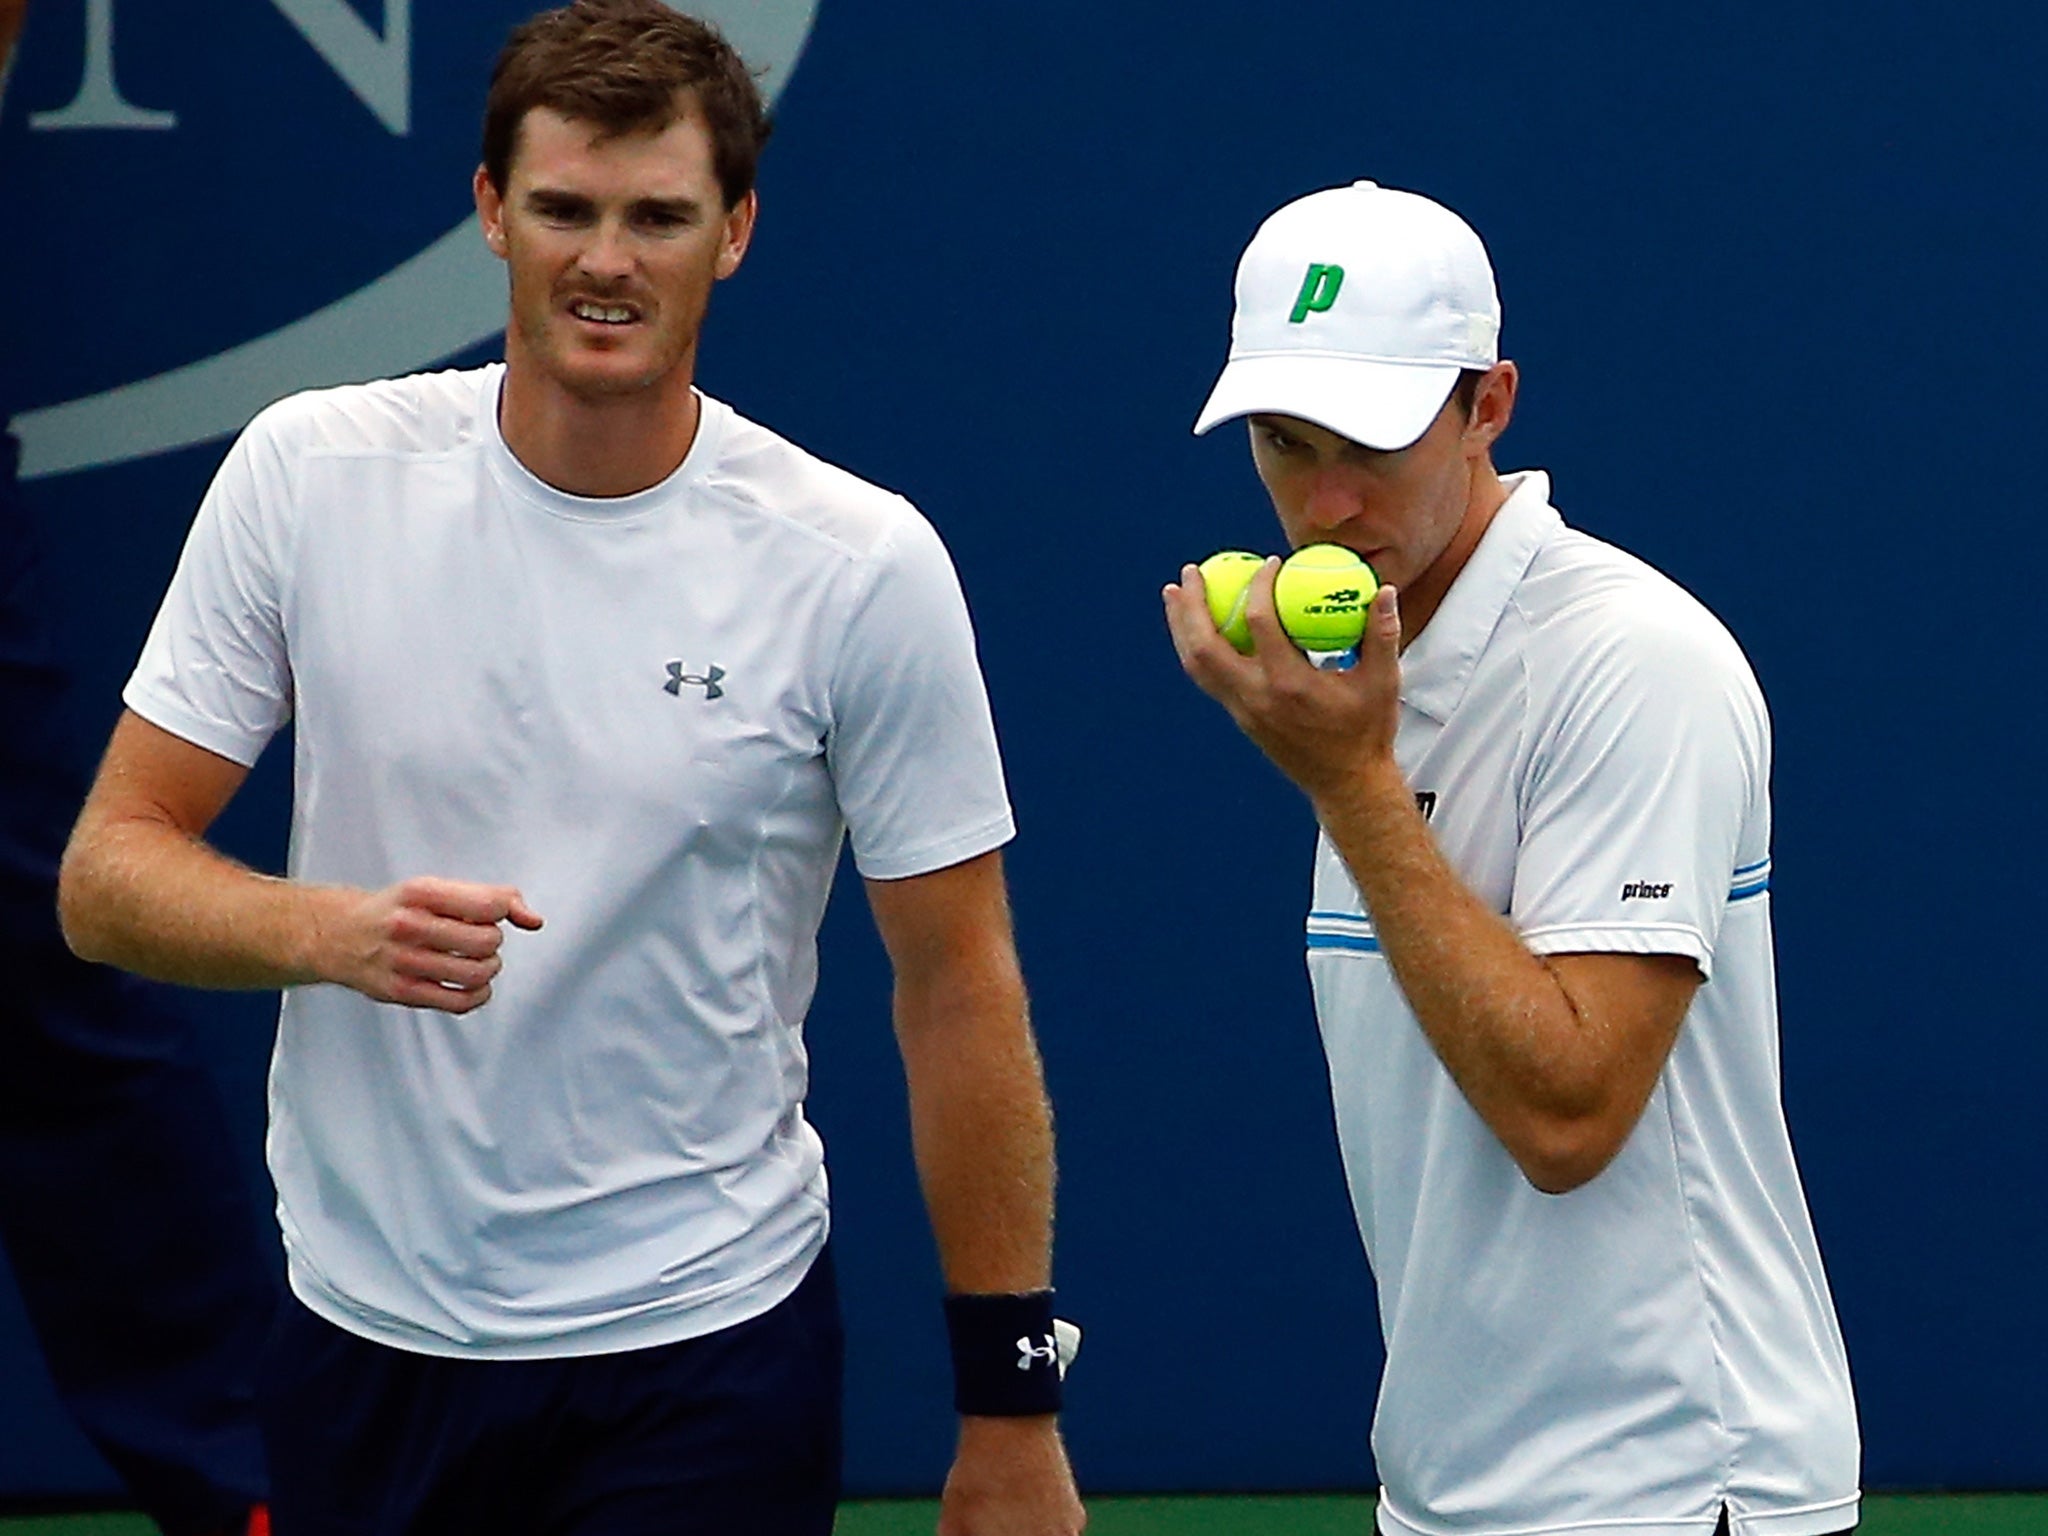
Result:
[[82, 936], [1560, 1178], [1561, 1156]]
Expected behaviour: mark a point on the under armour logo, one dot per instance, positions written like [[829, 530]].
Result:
[[708, 681], [1028, 1352]]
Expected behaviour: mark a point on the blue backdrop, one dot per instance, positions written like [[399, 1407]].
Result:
[[1771, 274]]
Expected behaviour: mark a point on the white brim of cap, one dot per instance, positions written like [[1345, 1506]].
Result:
[[1380, 404]]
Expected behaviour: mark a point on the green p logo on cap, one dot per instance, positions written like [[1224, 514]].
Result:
[[1318, 291]]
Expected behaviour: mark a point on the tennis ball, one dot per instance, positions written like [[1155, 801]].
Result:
[[1322, 592], [1227, 578]]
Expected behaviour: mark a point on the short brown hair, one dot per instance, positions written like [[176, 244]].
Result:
[[620, 64]]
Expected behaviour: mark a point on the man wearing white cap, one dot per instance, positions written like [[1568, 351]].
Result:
[[1540, 933]]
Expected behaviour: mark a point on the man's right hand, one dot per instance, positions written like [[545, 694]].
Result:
[[142, 889], [423, 943], [1323, 729]]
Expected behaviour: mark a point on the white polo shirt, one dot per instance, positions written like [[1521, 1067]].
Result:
[[1594, 756], [655, 714]]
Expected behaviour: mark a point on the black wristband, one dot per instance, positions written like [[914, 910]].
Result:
[[1005, 1354]]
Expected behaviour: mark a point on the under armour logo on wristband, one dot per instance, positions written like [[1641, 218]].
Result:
[[1006, 1352], [708, 681]]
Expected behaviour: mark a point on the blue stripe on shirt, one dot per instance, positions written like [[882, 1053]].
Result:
[[1361, 942]]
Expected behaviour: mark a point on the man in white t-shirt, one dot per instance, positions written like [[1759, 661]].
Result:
[[1539, 936], [589, 678]]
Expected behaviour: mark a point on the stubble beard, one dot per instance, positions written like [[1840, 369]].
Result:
[[567, 371]]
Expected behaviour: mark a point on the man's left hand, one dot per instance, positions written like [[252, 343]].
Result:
[[1010, 1478]]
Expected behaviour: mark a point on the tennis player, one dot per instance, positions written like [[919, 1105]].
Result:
[[590, 677], [1540, 939]]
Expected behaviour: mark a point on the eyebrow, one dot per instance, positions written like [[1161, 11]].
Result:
[[676, 207], [562, 200]]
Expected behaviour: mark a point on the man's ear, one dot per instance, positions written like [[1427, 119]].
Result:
[[490, 211], [739, 234], [1493, 404]]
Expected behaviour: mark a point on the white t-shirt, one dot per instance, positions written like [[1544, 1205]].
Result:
[[1594, 757], [657, 715]]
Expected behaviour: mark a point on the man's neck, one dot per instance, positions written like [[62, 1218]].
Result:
[[607, 445]]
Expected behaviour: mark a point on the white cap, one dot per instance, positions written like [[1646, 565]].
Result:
[[1357, 307]]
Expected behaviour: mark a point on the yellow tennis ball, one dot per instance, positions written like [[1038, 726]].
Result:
[[1321, 593], [1227, 578]]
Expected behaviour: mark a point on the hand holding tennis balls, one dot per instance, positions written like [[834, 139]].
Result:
[[1320, 593]]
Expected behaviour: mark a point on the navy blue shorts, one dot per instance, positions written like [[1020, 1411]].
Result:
[[736, 1432], [1719, 1530]]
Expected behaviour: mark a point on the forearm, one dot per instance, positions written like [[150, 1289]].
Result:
[[145, 896], [980, 1125], [982, 1131], [1496, 1014]]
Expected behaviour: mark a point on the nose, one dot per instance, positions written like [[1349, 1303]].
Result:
[[607, 256], [1334, 496]]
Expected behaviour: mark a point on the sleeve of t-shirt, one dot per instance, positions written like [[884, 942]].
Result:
[[1647, 766], [214, 669], [912, 746]]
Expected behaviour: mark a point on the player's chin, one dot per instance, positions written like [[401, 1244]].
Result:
[[597, 374]]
